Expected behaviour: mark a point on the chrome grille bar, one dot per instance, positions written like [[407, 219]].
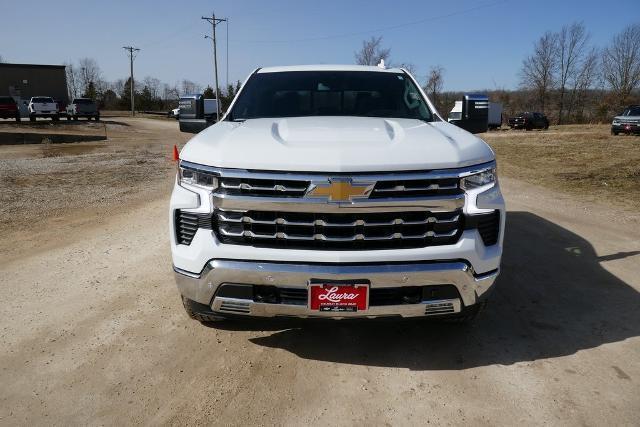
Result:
[[319, 236], [223, 216]]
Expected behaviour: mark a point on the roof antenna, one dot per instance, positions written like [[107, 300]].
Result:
[[381, 64]]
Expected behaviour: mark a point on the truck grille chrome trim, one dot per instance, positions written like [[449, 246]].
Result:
[[366, 230]]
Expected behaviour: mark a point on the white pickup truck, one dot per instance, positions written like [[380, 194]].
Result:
[[43, 106], [335, 191]]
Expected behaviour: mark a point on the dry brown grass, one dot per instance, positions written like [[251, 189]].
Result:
[[581, 159]]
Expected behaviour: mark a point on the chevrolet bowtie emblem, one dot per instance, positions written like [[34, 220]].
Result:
[[341, 190]]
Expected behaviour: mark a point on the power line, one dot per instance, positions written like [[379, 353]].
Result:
[[378, 30], [132, 55], [214, 22]]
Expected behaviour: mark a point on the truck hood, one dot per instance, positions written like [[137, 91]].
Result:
[[336, 144], [626, 118]]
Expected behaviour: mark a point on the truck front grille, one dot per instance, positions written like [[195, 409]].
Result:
[[348, 231]]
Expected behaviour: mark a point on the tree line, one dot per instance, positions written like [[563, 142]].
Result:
[[565, 76], [85, 79]]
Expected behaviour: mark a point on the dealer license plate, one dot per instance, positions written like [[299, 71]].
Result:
[[338, 297]]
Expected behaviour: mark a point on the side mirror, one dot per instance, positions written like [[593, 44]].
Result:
[[193, 125]]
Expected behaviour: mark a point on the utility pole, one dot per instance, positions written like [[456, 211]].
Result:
[[131, 51], [214, 22]]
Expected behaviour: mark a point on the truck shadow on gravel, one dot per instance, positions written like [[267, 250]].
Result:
[[552, 299]]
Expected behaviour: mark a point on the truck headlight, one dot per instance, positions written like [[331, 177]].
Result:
[[479, 179], [616, 122], [196, 177]]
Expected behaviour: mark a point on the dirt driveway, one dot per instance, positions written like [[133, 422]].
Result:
[[93, 331]]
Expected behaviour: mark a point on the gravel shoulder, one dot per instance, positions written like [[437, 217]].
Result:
[[93, 331]]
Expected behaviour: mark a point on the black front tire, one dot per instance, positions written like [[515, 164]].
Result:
[[96, 118], [200, 312], [75, 117], [55, 118], [18, 118], [32, 118]]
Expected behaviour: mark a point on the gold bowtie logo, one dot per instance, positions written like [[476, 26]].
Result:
[[341, 190]]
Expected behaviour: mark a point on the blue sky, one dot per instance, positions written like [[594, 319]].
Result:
[[480, 44]]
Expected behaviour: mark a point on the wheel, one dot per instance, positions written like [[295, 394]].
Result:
[[75, 117], [68, 118], [32, 118], [96, 118], [546, 126], [615, 133], [18, 117], [200, 312], [55, 118]]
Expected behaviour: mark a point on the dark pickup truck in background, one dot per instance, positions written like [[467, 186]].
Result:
[[529, 121], [83, 107]]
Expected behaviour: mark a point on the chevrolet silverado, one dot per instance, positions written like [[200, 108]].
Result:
[[335, 191]]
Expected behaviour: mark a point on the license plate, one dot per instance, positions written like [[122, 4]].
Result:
[[338, 297]]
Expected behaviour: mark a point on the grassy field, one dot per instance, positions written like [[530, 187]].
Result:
[[581, 159]]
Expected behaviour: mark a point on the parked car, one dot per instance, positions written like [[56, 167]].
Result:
[[529, 121], [83, 107], [628, 122], [9, 108], [43, 106], [335, 191]]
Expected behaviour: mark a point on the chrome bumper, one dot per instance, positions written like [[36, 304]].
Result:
[[202, 287]]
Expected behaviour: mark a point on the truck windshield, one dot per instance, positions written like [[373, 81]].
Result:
[[82, 101], [632, 111], [330, 93], [42, 99]]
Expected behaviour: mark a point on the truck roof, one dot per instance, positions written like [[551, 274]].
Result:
[[328, 67]]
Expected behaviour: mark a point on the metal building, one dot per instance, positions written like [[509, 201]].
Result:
[[22, 81]]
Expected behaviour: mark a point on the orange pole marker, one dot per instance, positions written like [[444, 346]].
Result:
[[176, 155]]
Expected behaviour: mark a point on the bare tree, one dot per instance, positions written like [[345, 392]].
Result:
[[586, 75], [572, 41], [153, 85], [89, 72], [118, 87], [435, 82], [621, 63], [372, 52], [73, 82], [411, 68], [1, 59], [189, 87], [538, 70], [170, 92]]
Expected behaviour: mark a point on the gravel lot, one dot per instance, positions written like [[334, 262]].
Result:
[[93, 331]]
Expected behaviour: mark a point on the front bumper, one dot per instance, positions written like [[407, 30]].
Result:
[[625, 128], [202, 288]]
